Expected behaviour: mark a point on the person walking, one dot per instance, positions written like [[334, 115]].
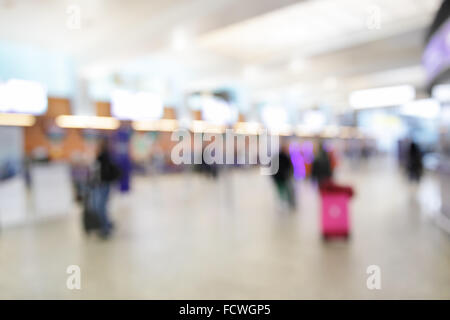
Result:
[[108, 173], [283, 178], [321, 167], [414, 162]]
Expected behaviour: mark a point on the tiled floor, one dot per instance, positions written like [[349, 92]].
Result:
[[188, 237]]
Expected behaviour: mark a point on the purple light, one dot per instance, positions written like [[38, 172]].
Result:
[[307, 150], [297, 161]]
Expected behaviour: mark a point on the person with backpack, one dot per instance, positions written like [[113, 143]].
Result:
[[108, 172], [283, 178], [321, 167], [414, 162]]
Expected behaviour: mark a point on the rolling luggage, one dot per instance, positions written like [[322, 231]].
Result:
[[335, 220], [91, 217]]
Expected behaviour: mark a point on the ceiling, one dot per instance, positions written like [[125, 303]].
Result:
[[313, 50], [313, 27], [115, 28]]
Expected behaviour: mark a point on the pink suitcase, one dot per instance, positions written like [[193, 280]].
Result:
[[335, 218]]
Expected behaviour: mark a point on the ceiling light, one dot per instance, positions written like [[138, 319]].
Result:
[[128, 105], [282, 130], [87, 122], [216, 110], [424, 108], [303, 131], [166, 125], [441, 92], [17, 119], [274, 117], [382, 97], [22, 96], [252, 128], [314, 120], [200, 126]]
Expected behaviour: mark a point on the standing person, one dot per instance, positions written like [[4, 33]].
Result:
[[321, 167], [108, 173], [283, 178], [414, 162]]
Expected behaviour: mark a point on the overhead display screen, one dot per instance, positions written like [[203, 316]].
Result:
[[128, 105], [22, 96], [436, 57]]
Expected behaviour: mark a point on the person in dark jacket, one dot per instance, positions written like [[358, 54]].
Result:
[[414, 164], [321, 167], [108, 173], [283, 178]]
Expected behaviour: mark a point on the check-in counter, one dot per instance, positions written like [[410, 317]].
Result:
[[51, 195], [13, 202], [51, 190]]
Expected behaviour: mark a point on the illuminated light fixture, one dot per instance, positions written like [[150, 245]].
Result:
[[382, 97], [22, 96], [199, 126], [215, 110], [441, 92], [17, 119], [424, 108], [303, 131], [330, 132], [88, 122], [127, 105], [282, 130], [166, 125], [275, 118], [252, 128], [314, 120]]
